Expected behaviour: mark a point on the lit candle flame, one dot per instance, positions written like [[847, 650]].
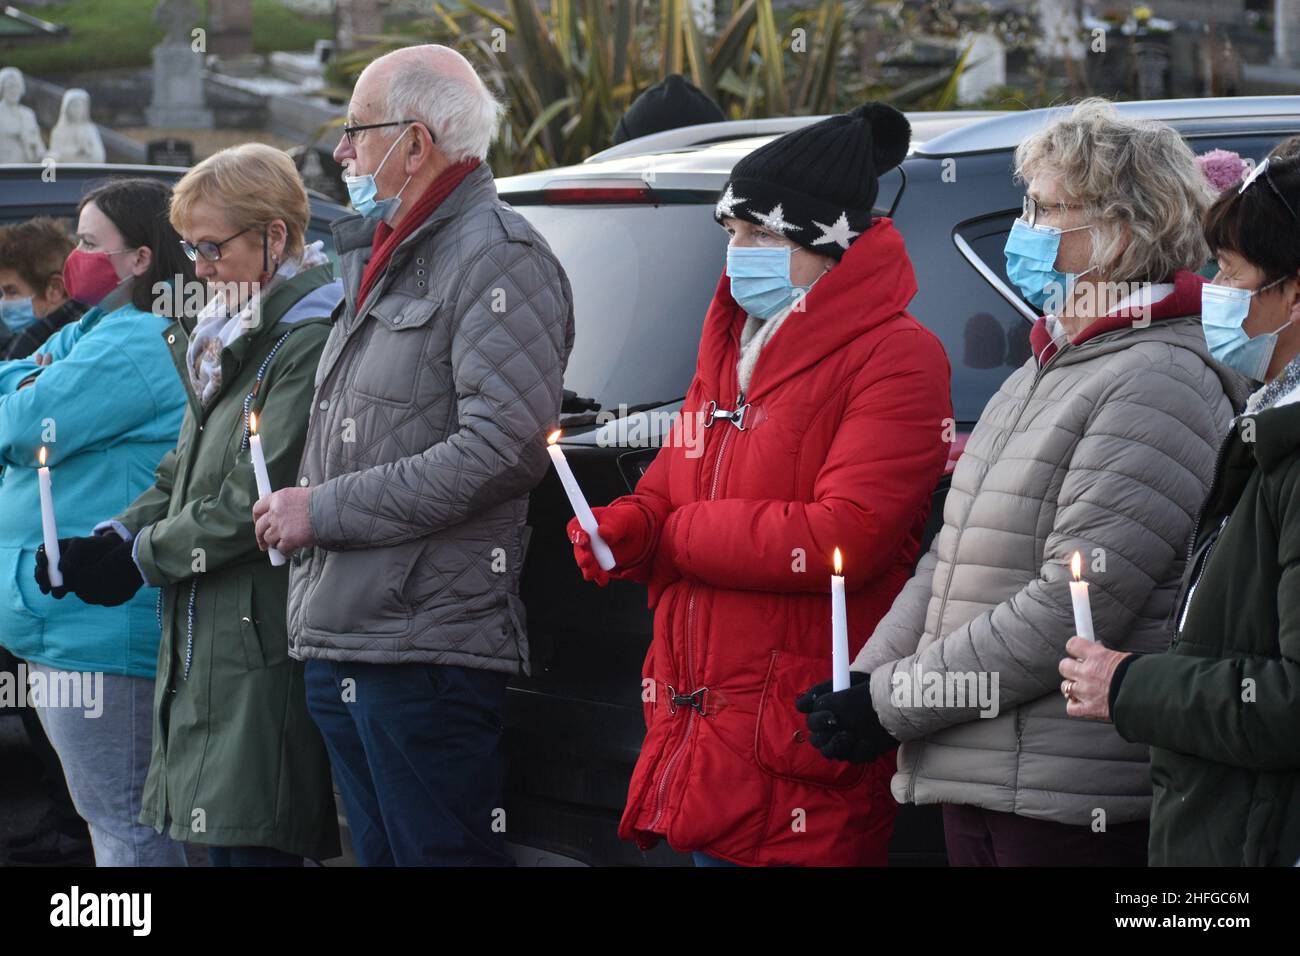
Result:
[[553, 437], [839, 562], [41, 456], [1076, 566], [252, 423]]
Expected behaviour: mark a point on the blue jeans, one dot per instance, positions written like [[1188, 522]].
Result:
[[105, 759], [415, 750]]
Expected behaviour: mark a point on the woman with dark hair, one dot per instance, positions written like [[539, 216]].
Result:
[[1220, 707], [33, 303], [102, 401]]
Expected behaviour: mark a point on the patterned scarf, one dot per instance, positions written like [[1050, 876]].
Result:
[[217, 329], [1272, 393]]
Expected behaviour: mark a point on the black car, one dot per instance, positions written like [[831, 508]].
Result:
[[634, 229], [28, 190]]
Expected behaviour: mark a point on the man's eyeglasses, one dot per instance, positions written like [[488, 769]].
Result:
[[349, 130], [206, 248], [1031, 207]]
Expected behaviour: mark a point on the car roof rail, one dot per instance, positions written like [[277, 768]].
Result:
[[1010, 129], [703, 134], [706, 134]]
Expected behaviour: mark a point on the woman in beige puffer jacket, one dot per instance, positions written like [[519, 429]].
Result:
[[1103, 443]]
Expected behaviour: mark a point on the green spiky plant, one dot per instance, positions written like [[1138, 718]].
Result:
[[570, 68]]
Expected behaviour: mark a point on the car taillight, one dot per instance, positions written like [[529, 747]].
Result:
[[954, 451], [568, 195]]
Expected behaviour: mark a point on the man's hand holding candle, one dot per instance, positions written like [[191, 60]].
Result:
[[284, 520]]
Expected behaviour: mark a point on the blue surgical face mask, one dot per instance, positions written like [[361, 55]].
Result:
[[17, 314], [1031, 263], [1223, 311], [362, 189], [760, 279]]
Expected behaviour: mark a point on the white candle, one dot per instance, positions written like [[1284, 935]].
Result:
[[839, 630], [604, 556], [1079, 599], [48, 527], [263, 478]]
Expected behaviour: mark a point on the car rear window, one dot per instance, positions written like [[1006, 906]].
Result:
[[642, 279]]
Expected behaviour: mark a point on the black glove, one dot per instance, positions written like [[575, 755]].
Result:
[[844, 724], [43, 570], [98, 569]]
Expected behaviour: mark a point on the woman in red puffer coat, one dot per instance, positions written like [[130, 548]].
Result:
[[827, 415]]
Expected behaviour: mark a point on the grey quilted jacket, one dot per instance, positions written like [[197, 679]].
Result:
[[1108, 450], [427, 433]]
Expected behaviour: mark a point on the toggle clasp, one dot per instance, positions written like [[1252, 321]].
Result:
[[695, 700]]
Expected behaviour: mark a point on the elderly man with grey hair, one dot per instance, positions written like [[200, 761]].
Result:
[[434, 394]]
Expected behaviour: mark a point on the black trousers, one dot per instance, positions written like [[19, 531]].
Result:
[[979, 837]]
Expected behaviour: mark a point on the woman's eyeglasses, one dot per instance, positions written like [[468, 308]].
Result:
[[209, 250], [1031, 207], [349, 130]]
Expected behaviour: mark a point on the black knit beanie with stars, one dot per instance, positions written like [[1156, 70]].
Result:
[[816, 186]]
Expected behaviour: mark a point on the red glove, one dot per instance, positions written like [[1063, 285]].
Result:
[[623, 529]]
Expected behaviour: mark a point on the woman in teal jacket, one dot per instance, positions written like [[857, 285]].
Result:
[[103, 400]]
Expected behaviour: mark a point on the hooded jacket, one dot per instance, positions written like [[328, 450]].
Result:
[[841, 441], [106, 409], [236, 759]]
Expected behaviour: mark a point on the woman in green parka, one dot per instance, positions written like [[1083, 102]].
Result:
[[238, 765], [1221, 707]]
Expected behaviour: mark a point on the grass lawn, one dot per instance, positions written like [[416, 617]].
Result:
[[109, 34]]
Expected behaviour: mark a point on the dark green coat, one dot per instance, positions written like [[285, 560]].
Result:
[[1221, 708], [237, 760]]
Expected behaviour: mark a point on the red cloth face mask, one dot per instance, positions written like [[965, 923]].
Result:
[[89, 276]]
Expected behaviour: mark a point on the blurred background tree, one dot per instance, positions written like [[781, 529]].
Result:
[[568, 69]]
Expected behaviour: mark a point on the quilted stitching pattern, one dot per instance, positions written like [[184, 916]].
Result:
[[427, 435], [1112, 449]]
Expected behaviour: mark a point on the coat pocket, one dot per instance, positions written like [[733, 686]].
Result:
[[18, 565], [398, 349], [248, 629], [362, 592], [781, 744]]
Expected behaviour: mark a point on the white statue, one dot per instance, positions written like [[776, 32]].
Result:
[[75, 139], [20, 137]]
